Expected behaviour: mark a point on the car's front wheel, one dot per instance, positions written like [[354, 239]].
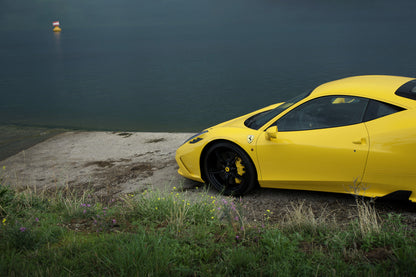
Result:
[[229, 169]]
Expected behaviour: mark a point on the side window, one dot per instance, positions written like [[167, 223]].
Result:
[[324, 112], [378, 109]]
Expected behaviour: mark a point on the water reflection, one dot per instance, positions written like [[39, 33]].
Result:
[[57, 40]]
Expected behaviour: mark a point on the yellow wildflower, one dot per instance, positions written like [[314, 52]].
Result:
[[4, 221]]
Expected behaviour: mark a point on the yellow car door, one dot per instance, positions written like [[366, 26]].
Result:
[[390, 163], [319, 145]]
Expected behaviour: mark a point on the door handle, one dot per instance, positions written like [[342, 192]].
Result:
[[361, 141]]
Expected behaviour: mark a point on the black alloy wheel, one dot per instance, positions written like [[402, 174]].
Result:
[[229, 169]]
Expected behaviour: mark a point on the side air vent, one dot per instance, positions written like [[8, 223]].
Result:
[[408, 90]]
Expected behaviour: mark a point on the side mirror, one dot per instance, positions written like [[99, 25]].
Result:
[[271, 133]]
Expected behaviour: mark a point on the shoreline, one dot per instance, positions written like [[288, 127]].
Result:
[[15, 138]]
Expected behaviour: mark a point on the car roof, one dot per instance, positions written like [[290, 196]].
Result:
[[379, 87]]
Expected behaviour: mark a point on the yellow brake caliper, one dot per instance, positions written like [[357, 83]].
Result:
[[240, 170]]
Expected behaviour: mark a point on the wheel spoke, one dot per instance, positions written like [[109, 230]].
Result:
[[230, 161], [234, 159], [227, 179], [220, 158], [215, 171], [237, 176]]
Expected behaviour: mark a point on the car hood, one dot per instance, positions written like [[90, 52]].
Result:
[[239, 121]]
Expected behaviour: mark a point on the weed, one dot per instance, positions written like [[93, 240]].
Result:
[[230, 210], [369, 221], [300, 217]]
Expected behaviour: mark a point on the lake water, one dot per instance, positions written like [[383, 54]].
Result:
[[183, 65]]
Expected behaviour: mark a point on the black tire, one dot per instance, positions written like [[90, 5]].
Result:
[[229, 169]]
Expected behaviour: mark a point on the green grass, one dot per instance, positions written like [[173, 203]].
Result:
[[168, 233]]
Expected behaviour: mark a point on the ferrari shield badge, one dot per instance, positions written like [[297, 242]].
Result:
[[250, 138]]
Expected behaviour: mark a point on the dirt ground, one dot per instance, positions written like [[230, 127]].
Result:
[[113, 164], [109, 163]]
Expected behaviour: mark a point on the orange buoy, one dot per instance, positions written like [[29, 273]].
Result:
[[56, 28]]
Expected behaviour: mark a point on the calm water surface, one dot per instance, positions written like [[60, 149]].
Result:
[[183, 65]]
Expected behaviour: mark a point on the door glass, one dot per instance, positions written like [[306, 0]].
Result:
[[324, 112]]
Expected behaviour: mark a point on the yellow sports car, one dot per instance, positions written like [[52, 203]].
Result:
[[354, 135]]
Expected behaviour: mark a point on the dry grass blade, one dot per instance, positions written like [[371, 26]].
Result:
[[368, 219], [302, 217]]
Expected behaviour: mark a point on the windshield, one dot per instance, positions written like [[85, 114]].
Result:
[[258, 120]]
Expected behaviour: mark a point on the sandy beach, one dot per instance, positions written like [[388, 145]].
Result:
[[105, 162]]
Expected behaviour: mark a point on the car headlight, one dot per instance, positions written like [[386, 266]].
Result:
[[195, 138]]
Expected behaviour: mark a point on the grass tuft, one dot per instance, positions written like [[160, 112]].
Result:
[[300, 217], [369, 221]]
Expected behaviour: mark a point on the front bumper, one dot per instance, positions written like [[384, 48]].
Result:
[[188, 159]]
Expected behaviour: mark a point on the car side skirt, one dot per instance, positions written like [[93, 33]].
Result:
[[339, 187]]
